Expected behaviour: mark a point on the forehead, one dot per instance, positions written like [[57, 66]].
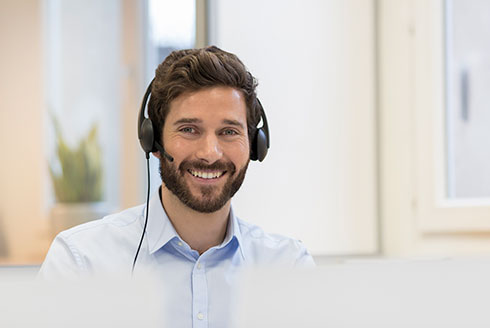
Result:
[[216, 103]]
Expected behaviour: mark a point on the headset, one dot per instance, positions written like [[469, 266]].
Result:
[[149, 143], [258, 148]]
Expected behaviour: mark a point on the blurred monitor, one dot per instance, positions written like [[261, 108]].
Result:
[[411, 294], [89, 302]]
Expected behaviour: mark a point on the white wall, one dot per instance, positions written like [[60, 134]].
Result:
[[316, 69]]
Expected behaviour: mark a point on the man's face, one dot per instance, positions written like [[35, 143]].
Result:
[[206, 134]]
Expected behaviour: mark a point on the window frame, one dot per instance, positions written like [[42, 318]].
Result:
[[435, 212]]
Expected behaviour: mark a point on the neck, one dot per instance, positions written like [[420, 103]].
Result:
[[200, 231]]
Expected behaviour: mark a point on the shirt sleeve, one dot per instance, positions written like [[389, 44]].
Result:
[[304, 260], [62, 261]]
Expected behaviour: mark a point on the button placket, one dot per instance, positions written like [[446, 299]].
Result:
[[199, 295]]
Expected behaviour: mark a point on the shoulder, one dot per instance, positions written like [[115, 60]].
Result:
[[97, 245], [114, 224], [261, 247]]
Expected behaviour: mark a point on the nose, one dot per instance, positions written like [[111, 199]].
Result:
[[209, 149]]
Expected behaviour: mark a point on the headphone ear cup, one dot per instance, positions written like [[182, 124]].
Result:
[[253, 148], [259, 146], [146, 135]]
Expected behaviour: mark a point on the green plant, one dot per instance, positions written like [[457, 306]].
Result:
[[80, 179]]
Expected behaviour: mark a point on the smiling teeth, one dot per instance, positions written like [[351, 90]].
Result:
[[206, 175]]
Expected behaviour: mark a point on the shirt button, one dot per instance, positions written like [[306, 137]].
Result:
[[199, 266], [200, 316], [180, 243]]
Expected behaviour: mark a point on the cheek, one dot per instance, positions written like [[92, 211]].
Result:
[[176, 144], [179, 149], [239, 153]]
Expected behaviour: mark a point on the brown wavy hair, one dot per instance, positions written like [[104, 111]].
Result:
[[195, 69]]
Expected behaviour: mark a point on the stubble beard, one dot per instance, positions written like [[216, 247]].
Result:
[[210, 199]]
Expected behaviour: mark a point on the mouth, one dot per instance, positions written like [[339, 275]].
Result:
[[207, 175]]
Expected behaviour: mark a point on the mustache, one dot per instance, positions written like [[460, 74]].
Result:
[[216, 166]]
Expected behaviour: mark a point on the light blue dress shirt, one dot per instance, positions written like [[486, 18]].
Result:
[[199, 288]]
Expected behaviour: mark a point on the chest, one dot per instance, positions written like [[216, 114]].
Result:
[[197, 291]]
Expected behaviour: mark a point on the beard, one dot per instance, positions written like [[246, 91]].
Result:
[[210, 198]]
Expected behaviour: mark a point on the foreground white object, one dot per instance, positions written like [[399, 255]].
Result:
[[87, 302], [380, 294], [411, 294]]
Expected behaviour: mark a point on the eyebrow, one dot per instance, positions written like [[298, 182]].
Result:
[[187, 120], [234, 122]]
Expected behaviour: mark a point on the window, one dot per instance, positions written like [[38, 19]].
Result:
[[425, 136], [467, 32], [83, 72]]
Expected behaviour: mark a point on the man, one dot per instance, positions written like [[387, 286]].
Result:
[[204, 113]]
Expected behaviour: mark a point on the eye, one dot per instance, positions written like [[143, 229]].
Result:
[[230, 132], [188, 129]]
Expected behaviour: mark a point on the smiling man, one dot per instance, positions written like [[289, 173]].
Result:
[[206, 131], [204, 114]]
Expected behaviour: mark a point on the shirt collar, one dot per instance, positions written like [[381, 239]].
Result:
[[160, 230], [233, 232]]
